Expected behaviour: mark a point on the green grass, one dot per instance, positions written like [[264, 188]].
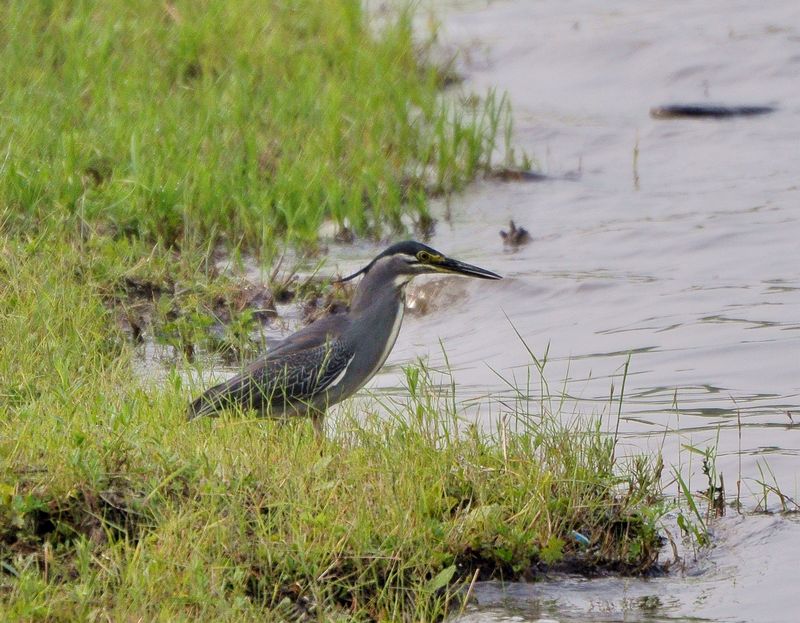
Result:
[[246, 122], [112, 506]]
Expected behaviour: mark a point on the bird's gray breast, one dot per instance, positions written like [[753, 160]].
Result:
[[373, 334]]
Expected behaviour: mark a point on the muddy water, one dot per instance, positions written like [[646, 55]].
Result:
[[680, 244]]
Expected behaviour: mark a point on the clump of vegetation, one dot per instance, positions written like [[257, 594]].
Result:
[[112, 505], [241, 122]]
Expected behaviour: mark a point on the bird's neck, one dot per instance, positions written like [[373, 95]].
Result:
[[373, 289], [377, 313]]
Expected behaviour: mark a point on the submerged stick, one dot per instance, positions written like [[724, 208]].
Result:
[[707, 111]]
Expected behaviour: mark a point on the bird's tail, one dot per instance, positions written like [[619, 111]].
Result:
[[202, 407], [214, 400], [239, 391]]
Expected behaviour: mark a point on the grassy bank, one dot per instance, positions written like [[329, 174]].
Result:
[[244, 122], [112, 506]]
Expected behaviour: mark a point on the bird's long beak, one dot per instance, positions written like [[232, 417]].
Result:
[[450, 265]]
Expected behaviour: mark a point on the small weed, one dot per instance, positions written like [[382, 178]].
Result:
[[769, 485]]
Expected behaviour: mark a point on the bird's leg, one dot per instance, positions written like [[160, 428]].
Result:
[[318, 422]]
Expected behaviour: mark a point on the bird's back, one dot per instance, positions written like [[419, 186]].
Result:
[[289, 377]]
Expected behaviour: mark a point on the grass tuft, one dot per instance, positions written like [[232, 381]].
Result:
[[243, 122]]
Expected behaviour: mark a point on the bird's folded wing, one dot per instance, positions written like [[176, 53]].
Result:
[[303, 374], [294, 372], [327, 329]]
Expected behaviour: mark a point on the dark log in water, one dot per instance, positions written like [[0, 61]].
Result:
[[707, 111]]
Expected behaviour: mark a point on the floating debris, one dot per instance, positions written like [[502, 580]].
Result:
[[345, 236], [707, 111], [507, 174], [515, 236]]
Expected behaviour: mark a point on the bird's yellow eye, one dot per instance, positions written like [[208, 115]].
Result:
[[424, 257]]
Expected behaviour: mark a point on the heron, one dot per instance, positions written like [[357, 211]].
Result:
[[332, 358]]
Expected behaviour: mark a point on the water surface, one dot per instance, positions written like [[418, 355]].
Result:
[[686, 255]]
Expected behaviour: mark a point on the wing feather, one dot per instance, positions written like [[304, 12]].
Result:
[[299, 368]]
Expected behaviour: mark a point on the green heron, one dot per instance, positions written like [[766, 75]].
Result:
[[332, 358]]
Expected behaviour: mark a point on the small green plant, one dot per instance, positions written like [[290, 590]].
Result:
[[692, 525], [184, 331], [239, 334], [714, 494]]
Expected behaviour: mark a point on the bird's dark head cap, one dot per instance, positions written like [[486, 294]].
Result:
[[423, 259]]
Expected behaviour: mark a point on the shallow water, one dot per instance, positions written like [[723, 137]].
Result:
[[747, 576], [688, 260]]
